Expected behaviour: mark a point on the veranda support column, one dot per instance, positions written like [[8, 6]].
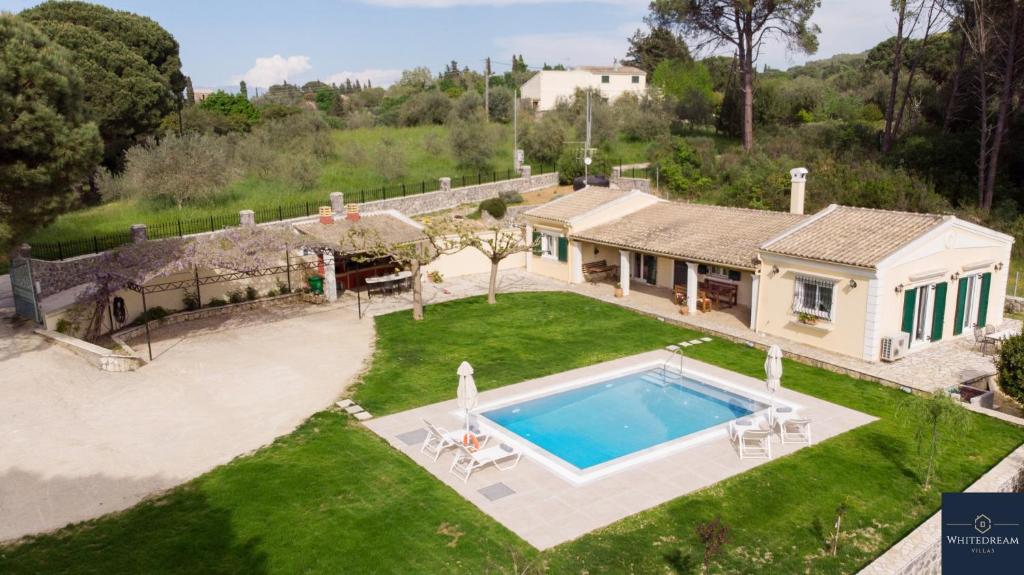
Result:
[[575, 262], [330, 280], [691, 286], [529, 241], [755, 286], [625, 257]]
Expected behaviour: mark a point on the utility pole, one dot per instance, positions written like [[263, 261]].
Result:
[[486, 89], [515, 130], [586, 147]]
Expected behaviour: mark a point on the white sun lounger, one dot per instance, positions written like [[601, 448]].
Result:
[[440, 439], [504, 457], [795, 431], [755, 443]]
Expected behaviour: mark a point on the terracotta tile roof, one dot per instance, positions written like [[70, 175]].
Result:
[[714, 234], [387, 227], [860, 237], [576, 204]]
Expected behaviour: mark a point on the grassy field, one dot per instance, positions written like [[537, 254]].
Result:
[[332, 497], [424, 150]]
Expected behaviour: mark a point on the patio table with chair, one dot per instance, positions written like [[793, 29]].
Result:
[[989, 337]]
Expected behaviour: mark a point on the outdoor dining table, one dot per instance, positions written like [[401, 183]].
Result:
[[1002, 334], [386, 282]]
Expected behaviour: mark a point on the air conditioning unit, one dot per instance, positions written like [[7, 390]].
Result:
[[895, 346]]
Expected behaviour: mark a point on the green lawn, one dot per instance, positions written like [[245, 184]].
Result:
[[426, 157], [333, 498]]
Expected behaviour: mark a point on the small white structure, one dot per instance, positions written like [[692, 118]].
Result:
[[545, 88]]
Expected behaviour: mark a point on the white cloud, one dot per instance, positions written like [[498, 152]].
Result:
[[379, 77], [568, 48], [274, 70], [453, 3]]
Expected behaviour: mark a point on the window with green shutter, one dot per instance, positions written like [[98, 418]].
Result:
[[563, 249], [939, 311], [909, 307], [961, 306], [986, 284], [536, 243]]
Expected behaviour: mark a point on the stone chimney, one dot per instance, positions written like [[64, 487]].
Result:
[[352, 212], [796, 191], [326, 215]]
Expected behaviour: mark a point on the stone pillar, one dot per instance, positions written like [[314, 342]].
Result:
[[518, 160], [575, 262], [25, 251], [616, 171], [529, 241], [247, 218], [446, 184], [625, 260], [330, 280], [692, 286], [139, 233], [337, 202], [525, 172]]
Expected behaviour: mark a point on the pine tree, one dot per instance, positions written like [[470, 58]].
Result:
[[242, 90], [190, 93]]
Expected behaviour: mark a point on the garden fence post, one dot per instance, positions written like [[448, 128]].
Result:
[[403, 189], [211, 224], [60, 251], [199, 296], [95, 245], [288, 269], [179, 228], [280, 215], [423, 186]]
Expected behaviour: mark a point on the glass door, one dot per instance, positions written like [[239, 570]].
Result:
[[923, 315]]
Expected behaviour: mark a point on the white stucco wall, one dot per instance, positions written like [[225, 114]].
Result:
[[546, 87]]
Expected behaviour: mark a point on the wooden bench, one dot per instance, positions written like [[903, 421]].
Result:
[[592, 270]]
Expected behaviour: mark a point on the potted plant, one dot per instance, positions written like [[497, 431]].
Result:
[[618, 289], [806, 318], [684, 309]]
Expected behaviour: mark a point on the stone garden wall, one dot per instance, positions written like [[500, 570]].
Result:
[[642, 184], [920, 553]]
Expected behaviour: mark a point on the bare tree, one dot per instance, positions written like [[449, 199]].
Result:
[[436, 241], [496, 244], [744, 24], [934, 21], [1007, 39]]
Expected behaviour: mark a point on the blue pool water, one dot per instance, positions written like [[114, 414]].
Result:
[[597, 423]]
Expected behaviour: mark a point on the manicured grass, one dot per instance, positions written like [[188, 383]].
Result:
[[425, 153], [332, 497]]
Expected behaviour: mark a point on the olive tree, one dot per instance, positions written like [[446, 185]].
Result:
[[933, 418], [496, 243]]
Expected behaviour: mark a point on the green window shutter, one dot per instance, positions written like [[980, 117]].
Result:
[[986, 283], [939, 311], [909, 306], [563, 249], [536, 243], [961, 306]]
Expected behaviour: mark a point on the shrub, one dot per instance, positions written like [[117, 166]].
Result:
[[1010, 364], [472, 144], [436, 277], [217, 302], [570, 165], [511, 197], [282, 287], [251, 293], [272, 293], [236, 296], [545, 139], [152, 314], [190, 300], [494, 206], [66, 327], [431, 107]]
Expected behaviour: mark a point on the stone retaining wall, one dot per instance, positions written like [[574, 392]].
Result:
[[102, 358], [642, 184], [1014, 304], [447, 199], [920, 553]]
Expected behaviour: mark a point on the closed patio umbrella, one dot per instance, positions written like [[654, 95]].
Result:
[[773, 370], [467, 390]]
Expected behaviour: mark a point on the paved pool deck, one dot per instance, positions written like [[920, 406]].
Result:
[[546, 508]]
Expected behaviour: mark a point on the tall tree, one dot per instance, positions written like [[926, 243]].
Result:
[[46, 143], [648, 49], [190, 93], [243, 90], [744, 25]]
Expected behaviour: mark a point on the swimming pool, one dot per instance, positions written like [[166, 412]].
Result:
[[595, 424]]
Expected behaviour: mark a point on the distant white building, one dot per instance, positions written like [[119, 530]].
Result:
[[202, 93], [545, 88]]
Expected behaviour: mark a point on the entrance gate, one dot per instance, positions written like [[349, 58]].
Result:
[[23, 288]]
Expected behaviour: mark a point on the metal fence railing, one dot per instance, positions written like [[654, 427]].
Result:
[[72, 247]]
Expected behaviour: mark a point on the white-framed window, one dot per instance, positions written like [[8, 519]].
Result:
[[606, 79], [549, 245], [814, 296], [718, 271], [636, 79]]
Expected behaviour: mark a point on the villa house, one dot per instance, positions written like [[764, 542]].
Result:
[[856, 281], [547, 87]]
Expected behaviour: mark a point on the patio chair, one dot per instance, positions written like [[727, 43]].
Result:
[[755, 443], [504, 457], [982, 340], [679, 293], [440, 439], [795, 431]]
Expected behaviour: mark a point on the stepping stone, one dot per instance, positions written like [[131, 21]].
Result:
[[414, 437], [685, 344], [695, 341], [344, 403], [705, 339], [496, 491], [353, 409], [363, 415]]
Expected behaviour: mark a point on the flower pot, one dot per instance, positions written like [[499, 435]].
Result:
[[618, 292], [684, 310]]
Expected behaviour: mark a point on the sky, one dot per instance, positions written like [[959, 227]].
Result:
[[266, 42]]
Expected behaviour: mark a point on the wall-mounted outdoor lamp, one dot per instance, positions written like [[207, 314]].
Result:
[[999, 266], [899, 288], [853, 283], [775, 271], [954, 277]]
